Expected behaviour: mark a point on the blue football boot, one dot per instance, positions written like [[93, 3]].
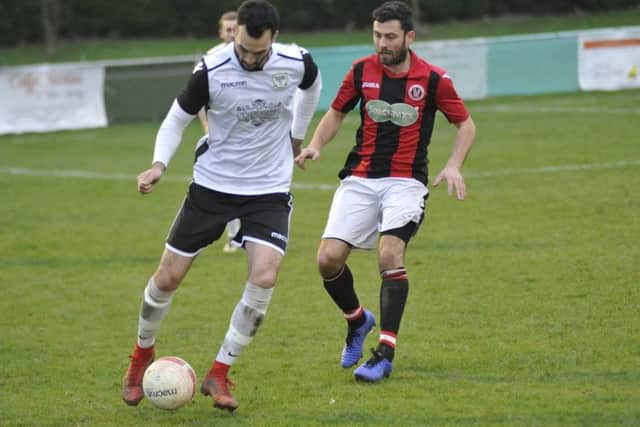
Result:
[[352, 351], [374, 369]]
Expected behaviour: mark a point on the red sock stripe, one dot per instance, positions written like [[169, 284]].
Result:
[[388, 338], [142, 351], [398, 274], [219, 369], [352, 315]]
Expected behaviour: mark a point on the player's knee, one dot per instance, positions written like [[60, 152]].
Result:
[[167, 279], [329, 264], [389, 258], [265, 279]]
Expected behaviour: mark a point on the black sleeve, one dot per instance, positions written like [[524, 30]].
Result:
[[196, 94], [310, 72]]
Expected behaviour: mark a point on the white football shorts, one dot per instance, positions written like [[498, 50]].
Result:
[[362, 208]]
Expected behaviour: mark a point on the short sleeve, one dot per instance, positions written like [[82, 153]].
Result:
[[196, 94], [349, 94], [310, 71], [448, 101]]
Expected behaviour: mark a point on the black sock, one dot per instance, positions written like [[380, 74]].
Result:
[[393, 296], [341, 290], [386, 351]]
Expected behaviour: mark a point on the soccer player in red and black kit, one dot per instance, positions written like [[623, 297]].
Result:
[[383, 189]]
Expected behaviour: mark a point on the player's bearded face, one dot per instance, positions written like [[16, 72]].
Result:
[[391, 42], [389, 56], [251, 52]]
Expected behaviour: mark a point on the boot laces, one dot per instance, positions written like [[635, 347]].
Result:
[[224, 384], [136, 369], [375, 358]]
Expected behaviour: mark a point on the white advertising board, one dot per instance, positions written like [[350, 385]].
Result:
[[48, 97], [464, 60], [609, 61]]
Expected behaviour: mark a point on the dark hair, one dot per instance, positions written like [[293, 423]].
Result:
[[258, 16], [394, 9]]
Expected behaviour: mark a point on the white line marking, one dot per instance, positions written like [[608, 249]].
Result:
[[18, 171], [551, 169], [505, 108]]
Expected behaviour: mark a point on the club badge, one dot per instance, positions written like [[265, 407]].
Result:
[[280, 80], [416, 92]]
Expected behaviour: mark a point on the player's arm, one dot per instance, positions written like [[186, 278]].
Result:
[[451, 173], [450, 104], [327, 129], [305, 102], [182, 112]]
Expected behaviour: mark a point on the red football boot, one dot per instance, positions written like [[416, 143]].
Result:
[[141, 358], [217, 385]]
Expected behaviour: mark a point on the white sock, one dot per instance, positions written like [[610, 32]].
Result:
[[155, 306], [233, 227], [245, 320]]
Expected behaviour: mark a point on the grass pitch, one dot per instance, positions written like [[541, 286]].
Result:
[[523, 303]]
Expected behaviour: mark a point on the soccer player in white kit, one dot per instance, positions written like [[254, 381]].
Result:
[[260, 97]]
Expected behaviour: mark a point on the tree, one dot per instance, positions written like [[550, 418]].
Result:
[[51, 19]]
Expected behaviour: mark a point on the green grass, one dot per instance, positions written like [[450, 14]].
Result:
[[104, 49], [523, 306]]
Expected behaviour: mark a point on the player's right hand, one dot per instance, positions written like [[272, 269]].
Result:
[[306, 153], [148, 178]]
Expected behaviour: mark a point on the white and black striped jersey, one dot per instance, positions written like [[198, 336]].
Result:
[[248, 148]]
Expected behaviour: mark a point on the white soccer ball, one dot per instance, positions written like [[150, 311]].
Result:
[[169, 383]]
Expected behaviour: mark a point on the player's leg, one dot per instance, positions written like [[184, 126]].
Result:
[[265, 223], [394, 288], [193, 229], [156, 301], [264, 263], [338, 282], [403, 211], [352, 222], [159, 293], [393, 296]]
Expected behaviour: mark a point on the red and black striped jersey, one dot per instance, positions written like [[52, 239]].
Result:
[[397, 113]]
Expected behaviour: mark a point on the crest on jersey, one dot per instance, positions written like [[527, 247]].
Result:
[[399, 114], [280, 80], [416, 92]]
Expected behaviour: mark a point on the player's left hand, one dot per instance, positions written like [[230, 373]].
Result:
[[454, 179], [306, 153], [148, 178]]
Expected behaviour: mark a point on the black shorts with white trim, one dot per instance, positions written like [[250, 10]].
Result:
[[204, 213]]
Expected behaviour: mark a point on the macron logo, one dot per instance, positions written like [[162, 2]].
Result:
[[233, 85], [279, 236], [373, 85]]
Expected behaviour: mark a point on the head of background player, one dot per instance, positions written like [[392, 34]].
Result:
[[227, 26]]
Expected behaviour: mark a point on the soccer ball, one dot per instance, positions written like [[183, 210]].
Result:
[[169, 383]]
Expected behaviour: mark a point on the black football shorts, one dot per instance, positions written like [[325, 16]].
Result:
[[204, 213]]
